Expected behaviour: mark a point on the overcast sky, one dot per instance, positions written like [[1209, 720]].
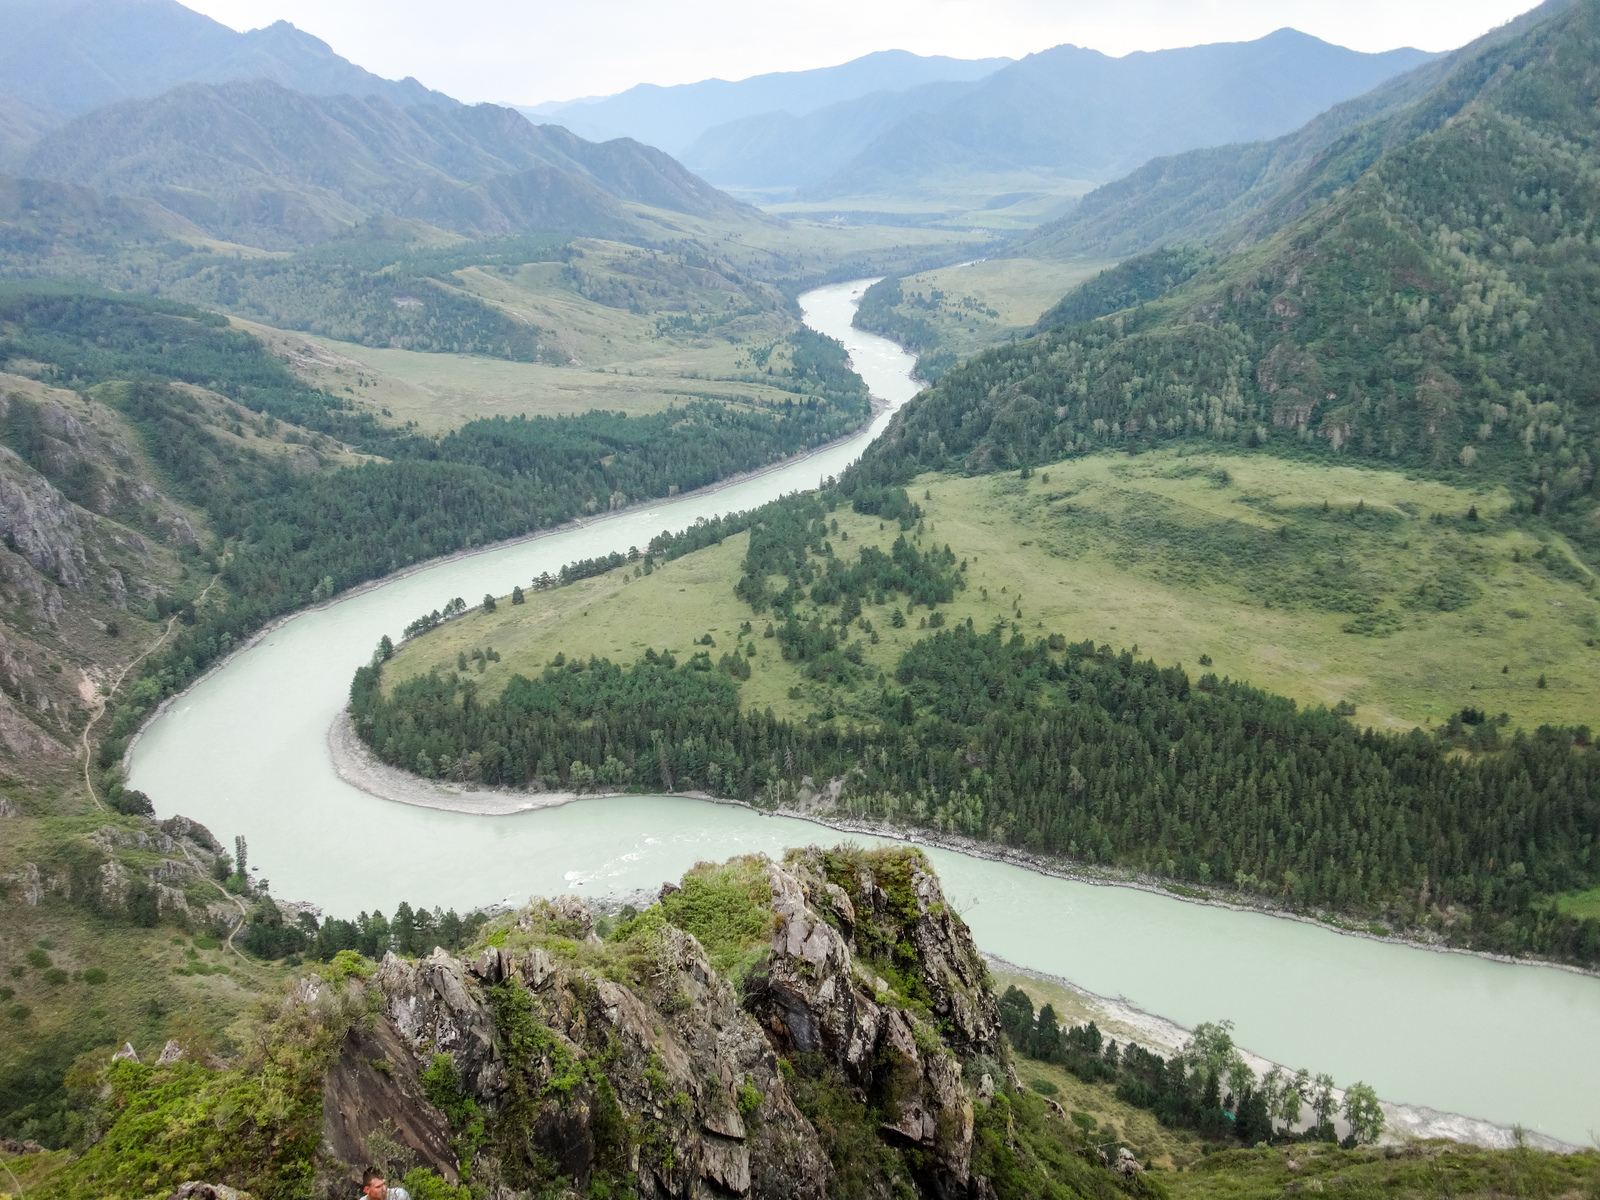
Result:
[[527, 51]]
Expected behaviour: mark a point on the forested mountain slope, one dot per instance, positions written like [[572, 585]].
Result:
[[1435, 315], [76, 55], [254, 162], [1084, 115], [21, 125], [1203, 193], [1437, 311]]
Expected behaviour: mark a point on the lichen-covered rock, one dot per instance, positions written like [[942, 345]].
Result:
[[632, 1058], [170, 1053], [437, 1005], [838, 914]]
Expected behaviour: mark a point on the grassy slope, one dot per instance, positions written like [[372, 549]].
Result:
[[1147, 1137], [998, 200], [618, 359], [143, 999], [1014, 290], [1422, 1169], [1150, 552], [57, 668]]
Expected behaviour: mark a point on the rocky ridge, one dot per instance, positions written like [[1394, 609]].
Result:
[[629, 1056]]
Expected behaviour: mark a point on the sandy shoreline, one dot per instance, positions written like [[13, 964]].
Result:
[[1123, 1021], [390, 783], [357, 766]]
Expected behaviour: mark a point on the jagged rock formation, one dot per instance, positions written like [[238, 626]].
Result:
[[631, 1056], [141, 872]]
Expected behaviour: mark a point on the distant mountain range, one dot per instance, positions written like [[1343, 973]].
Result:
[[779, 150], [68, 56], [254, 162], [1247, 188], [271, 139], [674, 117], [162, 119], [1080, 114]]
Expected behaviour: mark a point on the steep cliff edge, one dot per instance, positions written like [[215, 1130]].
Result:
[[817, 1027], [632, 1061]]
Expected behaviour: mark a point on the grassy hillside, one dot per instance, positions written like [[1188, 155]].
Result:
[[1406, 616], [946, 314]]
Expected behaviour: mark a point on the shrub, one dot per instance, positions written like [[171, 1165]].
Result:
[[38, 959]]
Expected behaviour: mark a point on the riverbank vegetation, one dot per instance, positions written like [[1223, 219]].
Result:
[[1207, 1087], [1179, 554], [1016, 734], [285, 539], [1432, 316]]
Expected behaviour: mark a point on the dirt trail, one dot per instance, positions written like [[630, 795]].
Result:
[[102, 702]]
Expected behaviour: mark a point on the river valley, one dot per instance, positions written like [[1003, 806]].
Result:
[[245, 752]]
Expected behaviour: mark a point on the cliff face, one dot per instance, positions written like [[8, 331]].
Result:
[[558, 1056], [87, 541]]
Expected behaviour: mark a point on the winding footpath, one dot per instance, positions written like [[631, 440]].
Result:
[[103, 699]]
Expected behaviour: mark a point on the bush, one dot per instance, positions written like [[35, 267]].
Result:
[[95, 976], [38, 959]]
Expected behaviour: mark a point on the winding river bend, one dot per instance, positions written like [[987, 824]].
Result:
[[246, 752]]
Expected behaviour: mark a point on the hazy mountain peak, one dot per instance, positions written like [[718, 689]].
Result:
[[74, 55], [673, 116], [1124, 111]]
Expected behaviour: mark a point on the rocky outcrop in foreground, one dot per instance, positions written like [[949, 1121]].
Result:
[[555, 1053]]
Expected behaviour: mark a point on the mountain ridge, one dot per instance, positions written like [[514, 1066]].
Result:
[[1200, 194], [75, 56], [672, 116], [1126, 110], [254, 162]]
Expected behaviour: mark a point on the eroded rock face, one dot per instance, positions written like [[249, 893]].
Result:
[[521, 1030], [374, 1091], [581, 1061], [823, 994]]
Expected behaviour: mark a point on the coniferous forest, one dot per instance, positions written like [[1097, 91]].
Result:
[[1425, 301], [1052, 746], [284, 539]]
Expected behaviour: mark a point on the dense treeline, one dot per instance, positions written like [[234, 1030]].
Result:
[[1073, 750], [1207, 1087], [81, 337], [1130, 283], [879, 312], [1439, 313], [883, 310], [289, 539], [413, 932]]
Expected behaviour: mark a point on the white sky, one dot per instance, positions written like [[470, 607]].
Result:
[[527, 51]]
